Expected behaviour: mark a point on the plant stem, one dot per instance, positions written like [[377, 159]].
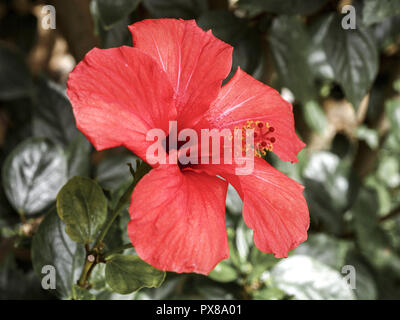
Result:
[[141, 170], [87, 270], [95, 256], [117, 211], [116, 250]]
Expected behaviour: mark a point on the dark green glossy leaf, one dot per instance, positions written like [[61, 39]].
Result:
[[78, 156], [33, 174], [353, 56], [126, 274], [15, 79], [112, 11], [113, 170], [183, 9], [247, 53], [82, 205], [290, 46], [53, 116], [52, 246], [15, 284], [330, 190], [283, 6], [378, 10]]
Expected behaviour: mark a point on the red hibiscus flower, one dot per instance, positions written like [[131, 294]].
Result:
[[174, 72]]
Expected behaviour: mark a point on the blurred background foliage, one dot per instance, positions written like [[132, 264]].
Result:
[[345, 88]]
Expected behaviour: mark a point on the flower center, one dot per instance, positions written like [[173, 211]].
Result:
[[263, 139]]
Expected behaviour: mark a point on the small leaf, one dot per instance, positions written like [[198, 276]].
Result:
[[378, 10], [82, 206], [224, 272], [52, 246], [126, 274], [307, 279], [32, 175]]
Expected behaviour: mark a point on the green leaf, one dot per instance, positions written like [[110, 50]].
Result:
[[283, 7], [330, 190], [82, 206], [308, 279], [244, 240], [389, 171], [52, 246], [79, 293], [353, 56], [15, 284], [52, 117], [326, 249], [315, 116], [224, 272], [113, 171], [32, 175], [373, 241], [78, 156], [183, 9], [233, 201], [15, 78], [247, 52], [112, 11], [290, 46], [126, 274], [269, 293], [378, 10], [393, 113]]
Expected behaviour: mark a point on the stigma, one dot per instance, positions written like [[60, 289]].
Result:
[[263, 137]]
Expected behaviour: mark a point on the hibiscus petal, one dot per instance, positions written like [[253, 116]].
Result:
[[244, 98], [119, 94], [273, 206], [196, 62], [177, 220]]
